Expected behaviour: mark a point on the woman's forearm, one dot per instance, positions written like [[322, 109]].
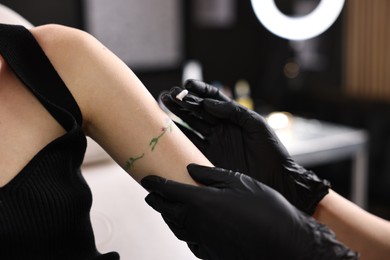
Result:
[[361, 231], [118, 111], [129, 124]]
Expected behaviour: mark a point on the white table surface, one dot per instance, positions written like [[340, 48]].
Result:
[[312, 142]]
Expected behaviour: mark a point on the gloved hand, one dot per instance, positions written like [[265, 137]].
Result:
[[237, 138], [236, 217]]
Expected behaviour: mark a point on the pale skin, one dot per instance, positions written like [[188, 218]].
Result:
[[118, 111], [359, 230]]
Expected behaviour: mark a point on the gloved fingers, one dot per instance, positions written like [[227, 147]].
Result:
[[252, 185], [189, 113], [168, 99], [213, 176], [193, 103], [176, 220], [183, 233], [174, 215], [205, 90], [198, 250], [247, 119], [173, 212], [171, 190], [194, 106]]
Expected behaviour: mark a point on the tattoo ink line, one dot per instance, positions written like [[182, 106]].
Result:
[[130, 162], [155, 140]]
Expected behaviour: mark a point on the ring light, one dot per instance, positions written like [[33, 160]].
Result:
[[297, 28]]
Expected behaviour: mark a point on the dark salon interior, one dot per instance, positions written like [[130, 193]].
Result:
[[333, 89]]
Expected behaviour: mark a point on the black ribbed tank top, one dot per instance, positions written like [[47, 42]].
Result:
[[44, 210]]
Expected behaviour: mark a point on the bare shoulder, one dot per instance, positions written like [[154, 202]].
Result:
[[52, 37], [76, 55], [65, 45], [95, 76]]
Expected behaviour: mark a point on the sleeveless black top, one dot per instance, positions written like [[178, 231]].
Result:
[[44, 210]]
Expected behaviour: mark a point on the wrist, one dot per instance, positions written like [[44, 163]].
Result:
[[324, 244], [320, 210], [308, 191]]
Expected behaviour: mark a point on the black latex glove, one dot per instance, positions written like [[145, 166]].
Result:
[[236, 217], [239, 139]]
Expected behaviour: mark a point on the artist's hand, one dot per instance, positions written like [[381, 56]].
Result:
[[237, 138], [233, 216]]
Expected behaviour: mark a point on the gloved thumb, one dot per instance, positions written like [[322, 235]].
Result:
[[152, 182], [205, 90], [212, 176]]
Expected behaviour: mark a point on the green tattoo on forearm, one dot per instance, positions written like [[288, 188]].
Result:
[[130, 162], [155, 140]]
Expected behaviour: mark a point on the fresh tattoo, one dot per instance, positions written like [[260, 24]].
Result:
[[155, 140], [130, 162]]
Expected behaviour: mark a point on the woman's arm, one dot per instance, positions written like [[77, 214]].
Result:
[[119, 113], [361, 231]]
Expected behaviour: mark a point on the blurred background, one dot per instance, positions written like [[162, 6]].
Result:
[[341, 76]]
